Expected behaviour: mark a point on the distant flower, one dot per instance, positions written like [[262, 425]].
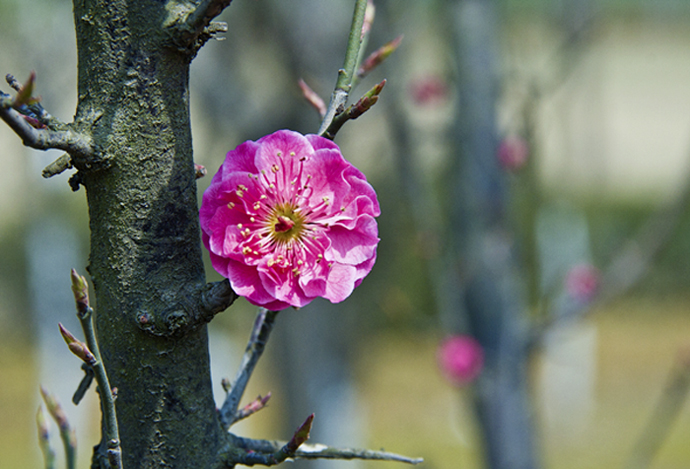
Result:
[[287, 219], [582, 282], [461, 359], [513, 153], [429, 90]]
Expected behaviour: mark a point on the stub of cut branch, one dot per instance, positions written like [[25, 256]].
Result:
[[215, 298], [58, 166]]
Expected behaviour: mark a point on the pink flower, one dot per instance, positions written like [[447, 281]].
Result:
[[582, 282], [513, 153], [461, 359], [287, 219]]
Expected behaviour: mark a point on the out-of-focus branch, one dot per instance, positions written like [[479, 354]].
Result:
[[664, 414], [67, 435], [627, 267], [44, 440], [257, 342]]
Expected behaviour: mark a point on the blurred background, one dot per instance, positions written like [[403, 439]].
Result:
[[531, 162]]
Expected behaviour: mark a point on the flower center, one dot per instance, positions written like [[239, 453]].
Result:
[[285, 223]]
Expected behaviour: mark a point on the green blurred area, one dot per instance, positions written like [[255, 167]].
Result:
[[412, 408]]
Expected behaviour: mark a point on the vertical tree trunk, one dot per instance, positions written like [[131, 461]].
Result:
[[145, 258], [492, 294]]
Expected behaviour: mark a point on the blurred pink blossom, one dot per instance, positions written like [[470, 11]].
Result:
[[428, 90], [582, 282], [287, 219], [461, 359], [513, 153]]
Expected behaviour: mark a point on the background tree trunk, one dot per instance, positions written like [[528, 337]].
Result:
[[491, 293]]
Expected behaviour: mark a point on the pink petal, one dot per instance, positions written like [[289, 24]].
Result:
[[356, 245], [340, 282]]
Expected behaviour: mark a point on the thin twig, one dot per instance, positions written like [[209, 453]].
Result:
[[72, 142], [346, 74], [318, 451], [279, 454], [251, 408], [85, 315], [69, 440], [255, 347]]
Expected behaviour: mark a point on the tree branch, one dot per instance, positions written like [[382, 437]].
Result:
[[255, 347], [72, 142], [193, 28], [280, 453]]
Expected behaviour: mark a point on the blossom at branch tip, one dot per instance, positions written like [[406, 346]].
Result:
[[287, 219]]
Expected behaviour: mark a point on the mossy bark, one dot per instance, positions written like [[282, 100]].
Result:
[[145, 259]]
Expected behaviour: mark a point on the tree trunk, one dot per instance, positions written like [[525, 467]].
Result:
[[492, 296], [145, 259]]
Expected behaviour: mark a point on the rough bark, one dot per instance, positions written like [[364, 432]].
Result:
[[145, 259]]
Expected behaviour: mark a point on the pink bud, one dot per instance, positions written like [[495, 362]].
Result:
[[461, 359], [582, 282], [513, 153]]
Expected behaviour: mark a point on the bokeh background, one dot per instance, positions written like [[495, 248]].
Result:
[[589, 106]]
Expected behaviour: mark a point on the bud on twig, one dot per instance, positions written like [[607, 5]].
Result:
[[77, 347], [300, 436], [378, 56], [81, 293], [199, 171], [313, 98], [24, 92]]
